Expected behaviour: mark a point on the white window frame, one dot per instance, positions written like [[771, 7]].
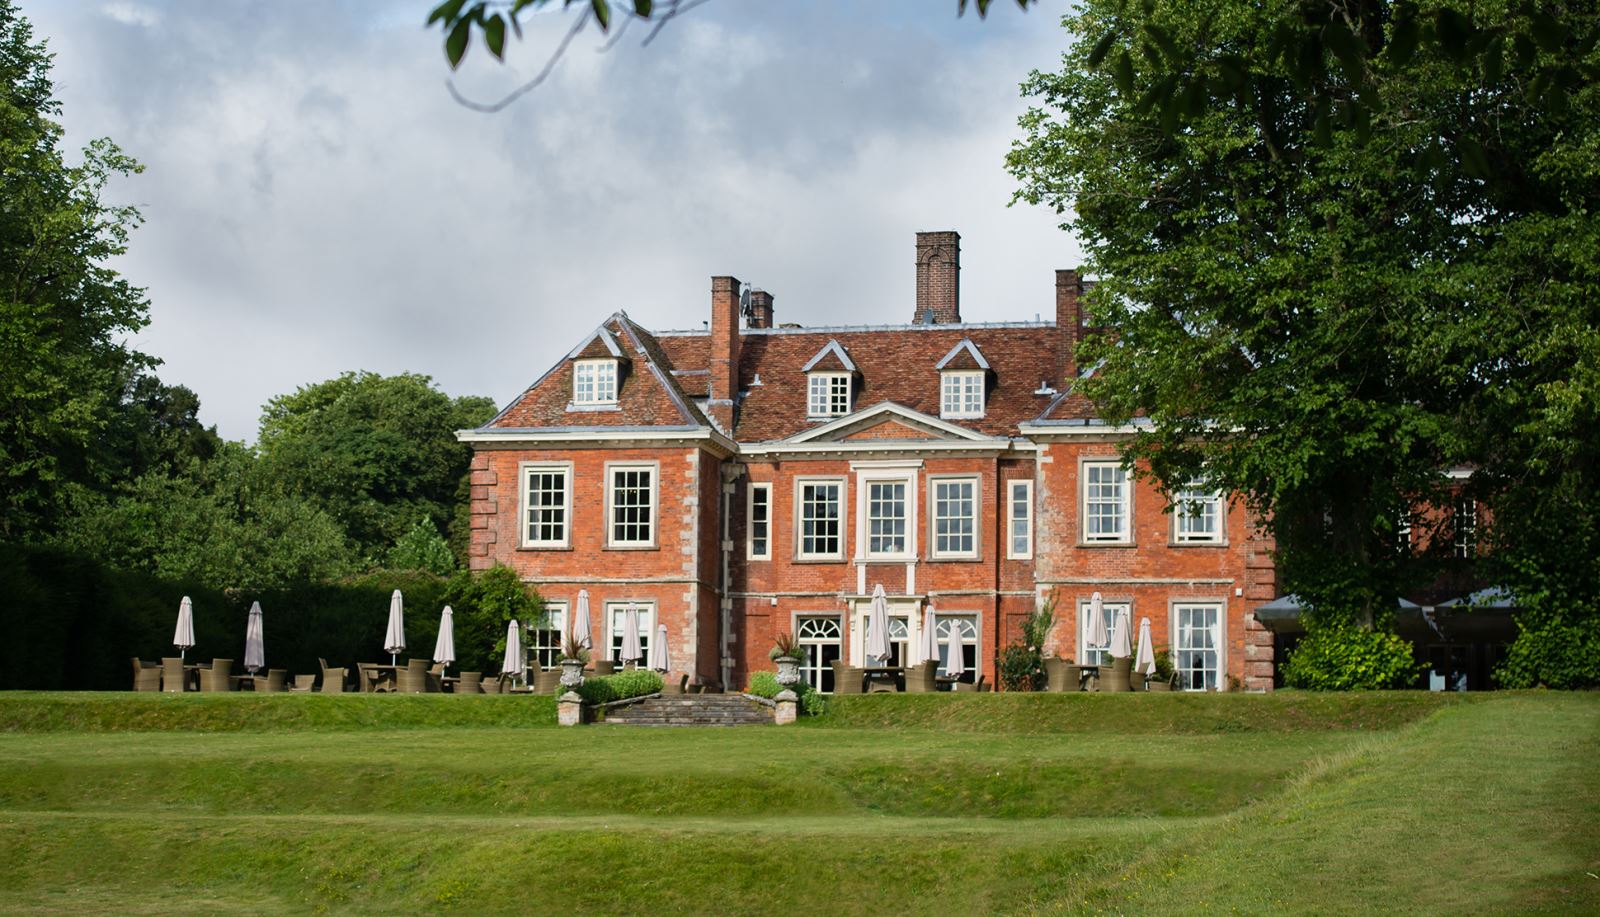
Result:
[[602, 372], [557, 616], [813, 670], [934, 480], [799, 517], [1464, 529], [1013, 485], [655, 503], [525, 471], [1211, 500], [1125, 503], [1108, 608], [961, 393], [945, 622], [613, 627], [764, 488], [864, 480], [822, 398], [899, 614], [1175, 644]]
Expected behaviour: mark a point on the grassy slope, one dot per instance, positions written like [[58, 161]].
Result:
[[939, 818]]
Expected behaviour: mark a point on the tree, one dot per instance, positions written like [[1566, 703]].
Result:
[[378, 452], [63, 312], [422, 548], [1306, 300]]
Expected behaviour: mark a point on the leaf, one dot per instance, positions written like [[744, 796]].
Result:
[[1454, 31], [1402, 41], [455, 46], [602, 13], [1322, 124], [1522, 51], [1101, 49], [446, 11], [1122, 72], [494, 34], [1347, 48], [1547, 30], [643, 8], [1473, 157], [1163, 40], [1494, 59]]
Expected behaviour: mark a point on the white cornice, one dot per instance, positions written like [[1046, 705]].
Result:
[[890, 409], [600, 436]]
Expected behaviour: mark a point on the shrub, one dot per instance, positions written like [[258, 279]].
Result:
[[765, 684], [603, 689], [1347, 657], [784, 646], [1552, 653], [1164, 670], [1021, 668]]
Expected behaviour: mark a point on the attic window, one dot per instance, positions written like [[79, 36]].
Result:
[[594, 382], [829, 394], [962, 394]]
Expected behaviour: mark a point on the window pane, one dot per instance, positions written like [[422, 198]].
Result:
[[545, 636], [819, 519], [760, 519], [1021, 516], [547, 506], [646, 618], [820, 637], [1105, 496], [1098, 653], [631, 516], [886, 517], [954, 517], [1198, 646], [1199, 514]]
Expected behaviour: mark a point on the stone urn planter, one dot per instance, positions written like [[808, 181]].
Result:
[[571, 673], [788, 671]]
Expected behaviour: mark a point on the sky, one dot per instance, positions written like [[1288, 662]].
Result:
[[315, 201]]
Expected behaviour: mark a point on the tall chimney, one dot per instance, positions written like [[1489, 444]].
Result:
[[724, 350], [760, 310], [1069, 326], [938, 278]]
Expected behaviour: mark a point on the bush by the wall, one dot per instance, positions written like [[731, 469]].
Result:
[[1346, 657], [1552, 653], [603, 689], [765, 684]]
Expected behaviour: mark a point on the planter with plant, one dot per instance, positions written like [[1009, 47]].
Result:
[[574, 656], [786, 653], [1162, 679]]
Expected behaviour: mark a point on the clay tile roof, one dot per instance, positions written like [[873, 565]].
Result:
[[831, 357], [964, 355]]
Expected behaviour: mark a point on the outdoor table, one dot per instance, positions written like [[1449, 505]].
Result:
[[890, 673], [240, 681], [382, 677], [945, 682]]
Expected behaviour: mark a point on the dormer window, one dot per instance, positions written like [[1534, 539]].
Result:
[[828, 395], [594, 382], [962, 394]]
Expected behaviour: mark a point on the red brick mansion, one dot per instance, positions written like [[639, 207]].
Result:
[[756, 477]]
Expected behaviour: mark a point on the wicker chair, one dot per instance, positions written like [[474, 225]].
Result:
[[605, 667], [413, 679], [146, 675], [1061, 675], [681, 686], [332, 679], [436, 679], [219, 677], [495, 684], [174, 677], [922, 678], [846, 678], [547, 682], [469, 683], [272, 682], [967, 687], [303, 684], [1115, 677]]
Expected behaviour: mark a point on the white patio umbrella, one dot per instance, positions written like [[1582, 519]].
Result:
[[444, 648], [183, 636], [878, 627], [255, 641], [394, 639], [658, 649], [580, 621], [928, 646], [1145, 663], [630, 634], [957, 664], [512, 663], [1121, 639], [1097, 621]]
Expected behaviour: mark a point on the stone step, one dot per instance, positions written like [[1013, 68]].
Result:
[[692, 710]]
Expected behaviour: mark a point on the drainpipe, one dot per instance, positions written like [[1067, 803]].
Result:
[[730, 474]]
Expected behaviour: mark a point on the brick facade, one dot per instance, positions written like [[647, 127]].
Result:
[[719, 413]]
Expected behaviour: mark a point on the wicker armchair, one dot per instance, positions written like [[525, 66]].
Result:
[[1117, 679], [1061, 675], [605, 667], [219, 677], [413, 679], [272, 682], [469, 683], [922, 678], [303, 684], [146, 675], [967, 687], [547, 682], [495, 685], [846, 678], [332, 679], [174, 677]]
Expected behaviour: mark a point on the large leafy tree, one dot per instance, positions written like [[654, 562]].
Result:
[[378, 452], [63, 311], [1331, 267]]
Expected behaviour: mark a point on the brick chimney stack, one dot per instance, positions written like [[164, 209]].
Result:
[[724, 350], [760, 310], [938, 278], [1069, 325]]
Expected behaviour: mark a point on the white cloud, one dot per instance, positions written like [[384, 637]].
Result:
[[131, 14], [315, 202]]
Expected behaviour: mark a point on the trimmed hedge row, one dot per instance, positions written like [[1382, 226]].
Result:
[[603, 689]]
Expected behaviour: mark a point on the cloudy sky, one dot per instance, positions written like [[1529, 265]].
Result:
[[316, 202]]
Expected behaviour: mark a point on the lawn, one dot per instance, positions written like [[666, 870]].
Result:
[[1137, 804]]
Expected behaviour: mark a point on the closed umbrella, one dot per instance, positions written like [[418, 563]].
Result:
[[255, 641], [394, 639], [928, 646], [1145, 664], [956, 666], [1121, 639], [580, 621], [658, 649], [183, 636], [1097, 622], [444, 648], [512, 663], [630, 634], [878, 627]]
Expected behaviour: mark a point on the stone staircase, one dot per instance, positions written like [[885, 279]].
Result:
[[692, 710]]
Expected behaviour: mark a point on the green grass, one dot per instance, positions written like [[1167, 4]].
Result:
[[989, 803]]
